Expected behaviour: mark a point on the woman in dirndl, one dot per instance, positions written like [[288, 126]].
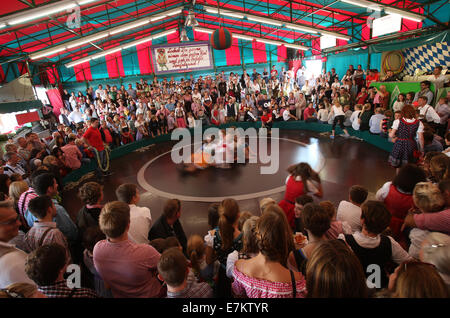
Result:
[[403, 134]]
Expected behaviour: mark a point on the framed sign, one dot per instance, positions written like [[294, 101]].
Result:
[[182, 57]]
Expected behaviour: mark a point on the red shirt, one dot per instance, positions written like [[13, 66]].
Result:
[[362, 98], [266, 118], [308, 112], [94, 137], [370, 79]]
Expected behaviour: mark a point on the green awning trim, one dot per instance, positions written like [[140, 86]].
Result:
[[393, 45], [13, 107]]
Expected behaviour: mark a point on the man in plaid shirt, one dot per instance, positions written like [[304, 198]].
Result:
[[44, 230], [46, 267], [173, 269]]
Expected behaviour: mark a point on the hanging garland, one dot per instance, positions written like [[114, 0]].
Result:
[[97, 156], [388, 67]]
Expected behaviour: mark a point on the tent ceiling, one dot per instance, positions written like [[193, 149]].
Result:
[[18, 41]]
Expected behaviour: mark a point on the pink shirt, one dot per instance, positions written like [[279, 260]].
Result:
[[128, 268], [244, 285], [439, 221], [72, 155]]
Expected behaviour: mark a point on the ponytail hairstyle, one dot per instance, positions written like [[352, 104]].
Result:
[[195, 251], [229, 214], [305, 172]]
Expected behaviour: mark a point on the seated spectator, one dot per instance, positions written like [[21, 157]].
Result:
[[399, 103], [267, 270], [354, 119], [397, 196], [173, 269], [46, 266], [140, 217], [348, 114], [428, 199], [439, 221], [300, 203], [361, 98], [333, 271], [435, 250], [266, 120], [370, 246], [440, 168], [386, 124], [336, 227], [44, 230], [375, 122], [12, 260], [309, 114], [317, 222], [322, 114], [443, 110], [413, 279], [350, 211], [168, 224], [129, 269], [249, 245], [91, 194], [430, 143], [364, 117], [72, 153]]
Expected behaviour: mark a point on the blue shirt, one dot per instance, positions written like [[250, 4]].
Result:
[[375, 122]]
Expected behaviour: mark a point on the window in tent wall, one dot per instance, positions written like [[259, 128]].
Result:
[[313, 68]]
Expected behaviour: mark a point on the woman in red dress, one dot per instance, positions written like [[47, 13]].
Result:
[[302, 179], [398, 198]]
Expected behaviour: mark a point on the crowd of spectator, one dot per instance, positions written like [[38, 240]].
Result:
[[302, 246]]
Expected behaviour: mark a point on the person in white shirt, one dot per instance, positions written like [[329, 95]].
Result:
[[355, 117], [336, 84], [350, 211], [439, 79], [287, 115], [322, 114], [140, 217], [76, 116], [12, 260], [427, 112], [373, 248]]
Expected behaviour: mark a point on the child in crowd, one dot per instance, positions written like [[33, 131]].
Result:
[[428, 199], [196, 251], [173, 269]]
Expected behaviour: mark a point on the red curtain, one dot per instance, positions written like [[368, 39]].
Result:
[[282, 53], [259, 52], [233, 54], [54, 96], [145, 57]]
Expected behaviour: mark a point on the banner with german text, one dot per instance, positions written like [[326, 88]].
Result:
[[182, 57]]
